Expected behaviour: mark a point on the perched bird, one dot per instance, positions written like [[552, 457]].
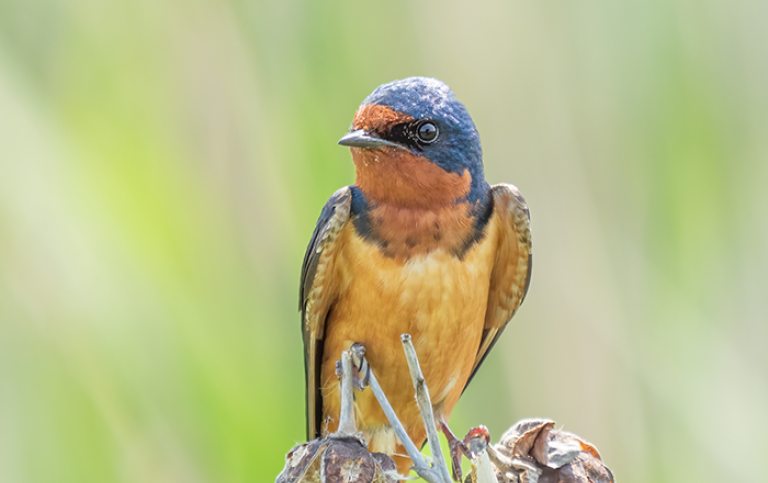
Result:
[[420, 244]]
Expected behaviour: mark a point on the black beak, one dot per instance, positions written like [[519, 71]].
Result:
[[364, 139]]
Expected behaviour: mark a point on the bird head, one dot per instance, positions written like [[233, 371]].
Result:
[[420, 120]]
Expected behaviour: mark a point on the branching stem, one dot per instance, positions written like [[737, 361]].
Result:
[[438, 472], [425, 407]]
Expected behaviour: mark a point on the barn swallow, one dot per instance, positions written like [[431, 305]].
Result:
[[420, 244]]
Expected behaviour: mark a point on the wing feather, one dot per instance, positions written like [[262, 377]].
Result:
[[318, 290], [511, 272]]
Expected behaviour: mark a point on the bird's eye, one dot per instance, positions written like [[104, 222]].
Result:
[[427, 132]]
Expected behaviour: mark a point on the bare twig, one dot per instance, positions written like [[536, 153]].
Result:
[[425, 407], [419, 461], [420, 465]]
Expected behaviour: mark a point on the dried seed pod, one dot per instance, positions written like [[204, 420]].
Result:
[[554, 448], [336, 460], [519, 439], [532, 451]]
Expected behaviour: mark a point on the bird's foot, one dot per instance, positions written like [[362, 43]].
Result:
[[457, 447], [360, 368]]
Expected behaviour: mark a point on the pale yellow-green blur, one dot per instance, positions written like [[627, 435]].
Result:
[[162, 164]]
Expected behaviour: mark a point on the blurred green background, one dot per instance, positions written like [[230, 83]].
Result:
[[162, 165]]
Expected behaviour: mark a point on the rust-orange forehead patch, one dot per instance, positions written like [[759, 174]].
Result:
[[372, 117]]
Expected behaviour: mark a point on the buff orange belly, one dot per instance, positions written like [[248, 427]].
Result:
[[436, 297]]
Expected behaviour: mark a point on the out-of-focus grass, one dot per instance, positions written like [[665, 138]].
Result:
[[162, 165]]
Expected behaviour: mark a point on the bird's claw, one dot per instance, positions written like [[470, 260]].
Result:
[[360, 369], [457, 447]]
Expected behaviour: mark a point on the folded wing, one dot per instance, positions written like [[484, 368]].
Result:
[[511, 273], [318, 291]]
